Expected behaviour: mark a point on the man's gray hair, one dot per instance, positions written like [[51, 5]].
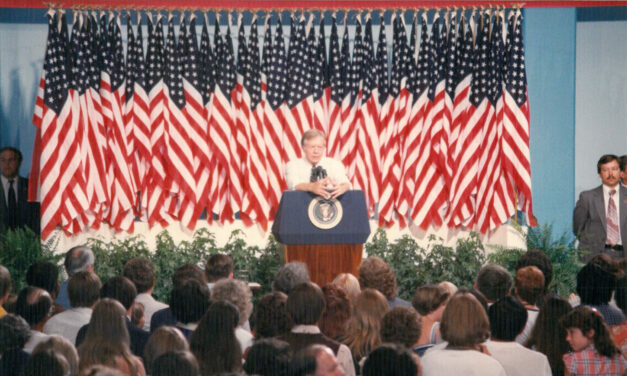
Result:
[[235, 292], [78, 259], [290, 275]]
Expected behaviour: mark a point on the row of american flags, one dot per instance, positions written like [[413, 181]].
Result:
[[433, 125]]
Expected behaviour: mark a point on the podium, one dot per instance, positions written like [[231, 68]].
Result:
[[327, 252]]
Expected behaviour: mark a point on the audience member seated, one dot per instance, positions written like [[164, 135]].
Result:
[[179, 363], [141, 272], [596, 282], [350, 284], [123, 290], [14, 333], [465, 327], [189, 302], [316, 360], [363, 328], [46, 363], [63, 347], [138, 318], [163, 340], [214, 343], [449, 286], [218, 266], [529, 285], [547, 336], [34, 305], [494, 282], [619, 332], [540, 260], [289, 275], [83, 291], [270, 317], [391, 360], [507, 320], [5, 288], [594, 351], [107, 340], [45, 275], [268, 357], [376, 274], [77, 259], [430, 302], [183, 272], [401, 325], [100, 370], [305, 305], [238, 293], [338, 311]]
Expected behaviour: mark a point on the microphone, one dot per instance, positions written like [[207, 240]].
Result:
[[317, 173]]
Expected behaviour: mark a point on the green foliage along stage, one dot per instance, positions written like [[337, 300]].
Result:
[[413, 265]]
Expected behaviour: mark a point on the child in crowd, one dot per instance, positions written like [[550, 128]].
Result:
[[594, 351]]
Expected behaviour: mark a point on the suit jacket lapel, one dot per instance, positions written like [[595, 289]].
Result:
[[622, 204], [22, 192], [3, 201], [600, 204]]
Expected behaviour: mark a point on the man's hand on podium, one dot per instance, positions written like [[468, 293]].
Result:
[[321, 187], [325, 188], [339, 189]]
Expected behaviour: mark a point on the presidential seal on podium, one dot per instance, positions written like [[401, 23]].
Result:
[[325, 213]]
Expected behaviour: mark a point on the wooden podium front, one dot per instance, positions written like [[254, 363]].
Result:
[[327, 252], [326, 261]]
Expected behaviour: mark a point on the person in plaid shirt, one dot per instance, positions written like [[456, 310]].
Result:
[[594, 351]]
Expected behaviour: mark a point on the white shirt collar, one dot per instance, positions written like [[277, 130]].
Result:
[[606, 189], [308, 329]]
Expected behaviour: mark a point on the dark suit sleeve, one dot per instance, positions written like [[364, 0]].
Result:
[[581, 214], [80, 336]]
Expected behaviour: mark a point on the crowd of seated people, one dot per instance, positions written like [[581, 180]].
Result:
[[212, 324]]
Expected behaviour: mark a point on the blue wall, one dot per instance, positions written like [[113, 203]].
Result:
[[550, 55]]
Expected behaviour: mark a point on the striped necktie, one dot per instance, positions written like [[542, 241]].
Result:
[[613, 234]]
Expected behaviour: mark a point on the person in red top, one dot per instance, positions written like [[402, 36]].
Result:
[[594, 351]]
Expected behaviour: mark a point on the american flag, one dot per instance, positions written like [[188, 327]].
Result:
[[336, 78], [299, 91], [516, 157], [59, 161], [438, 134], [220, 128], [93, 136], [158, 197], [255, 205], [141, 118], [460, 205], [121, 214], [275, 69]]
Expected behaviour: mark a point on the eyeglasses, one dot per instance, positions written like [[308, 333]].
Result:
[[2, 160]]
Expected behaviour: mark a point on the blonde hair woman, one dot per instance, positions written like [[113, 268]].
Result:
[[363, 327], [107, 341]]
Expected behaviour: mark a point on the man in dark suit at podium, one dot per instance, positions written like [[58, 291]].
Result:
[[15, 210], [315, 172]]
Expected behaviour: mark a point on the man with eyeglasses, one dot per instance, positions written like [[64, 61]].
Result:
[[15, 210]]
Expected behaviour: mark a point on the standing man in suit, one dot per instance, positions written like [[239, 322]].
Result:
[[15, 210], [623, 169], [600, 216]]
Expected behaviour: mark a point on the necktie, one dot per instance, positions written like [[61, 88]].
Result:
[[12, 206], [611, 221]]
